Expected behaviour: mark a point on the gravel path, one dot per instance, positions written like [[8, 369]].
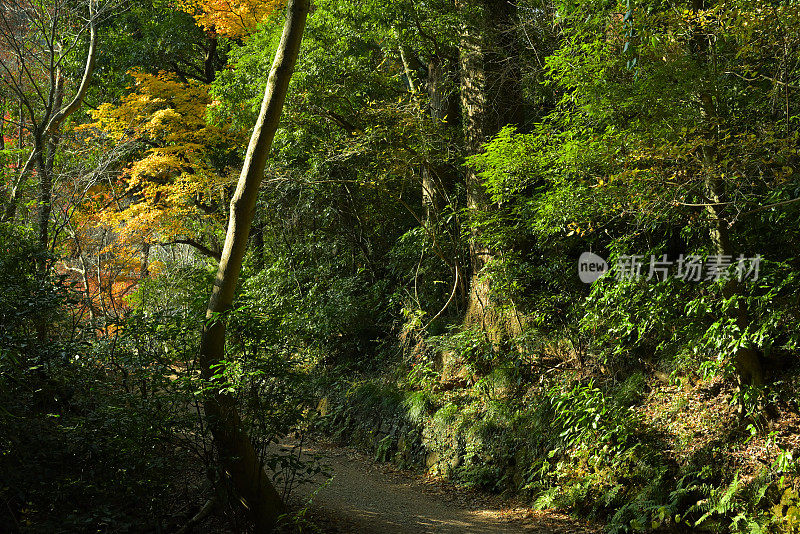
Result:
[[365, 497]]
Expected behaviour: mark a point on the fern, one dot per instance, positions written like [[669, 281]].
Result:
[[719, 503]]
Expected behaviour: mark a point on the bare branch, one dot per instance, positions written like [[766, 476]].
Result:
[[201, 248], [91, 57]]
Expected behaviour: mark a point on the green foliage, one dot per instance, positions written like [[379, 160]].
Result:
[[419, 405], [473, 347], [31, 297], [649, 128], [86, 416]]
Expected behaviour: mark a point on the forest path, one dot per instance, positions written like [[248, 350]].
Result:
[[367, 497]]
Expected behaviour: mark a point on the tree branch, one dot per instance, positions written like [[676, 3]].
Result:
[[201, 248], [91, 57]]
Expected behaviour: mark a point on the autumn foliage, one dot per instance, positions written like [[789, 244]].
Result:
[[230, 18], [176, 185]]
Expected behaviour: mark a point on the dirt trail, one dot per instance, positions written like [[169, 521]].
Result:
[[365, 497]]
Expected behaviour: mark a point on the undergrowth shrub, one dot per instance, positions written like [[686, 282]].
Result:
[[90, 429]]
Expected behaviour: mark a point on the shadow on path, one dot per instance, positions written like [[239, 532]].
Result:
[[365, 497]]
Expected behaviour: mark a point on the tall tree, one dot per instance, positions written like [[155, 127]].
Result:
[[746, 359], [490, 99], [236, 452], [39, 41]]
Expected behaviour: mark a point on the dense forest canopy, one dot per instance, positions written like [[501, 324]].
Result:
[[542, 248]]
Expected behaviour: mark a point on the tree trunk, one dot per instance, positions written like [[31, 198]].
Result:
[[490, 99], [20, 133], [210, 59], [45, 196], [13, 199], [144, 265], [47, 132], [45, 147], [438, 178], [2, 124], [747, 360], [237, 455], [258, 244]]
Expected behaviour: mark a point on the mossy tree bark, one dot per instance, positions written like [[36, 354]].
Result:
[[490, 99], [239, 459]]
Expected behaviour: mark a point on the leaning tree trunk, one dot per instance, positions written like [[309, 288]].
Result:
[[490, 99], [237, 455]]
